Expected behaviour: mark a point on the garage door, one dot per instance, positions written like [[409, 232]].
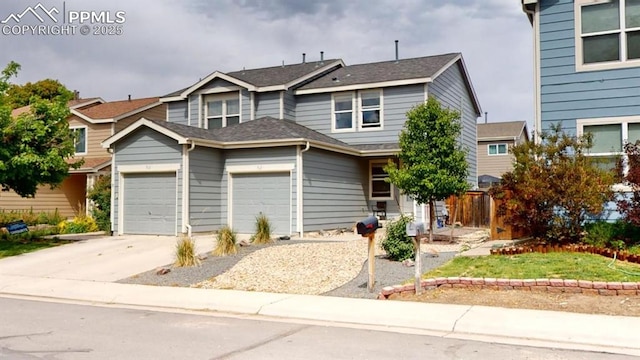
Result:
[[149, 204], [266, 193]]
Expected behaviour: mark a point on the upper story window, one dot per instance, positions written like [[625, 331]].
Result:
[[607, 34], [342, 112], [363, 108], [370, 109], [498, 149], [221, 111], [80, 139]]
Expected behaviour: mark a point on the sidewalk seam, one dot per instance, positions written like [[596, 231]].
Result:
[[455, 323], [259, 312]]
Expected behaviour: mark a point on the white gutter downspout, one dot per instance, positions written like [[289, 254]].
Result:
[[299, 192], [537, 121], [185, 189]]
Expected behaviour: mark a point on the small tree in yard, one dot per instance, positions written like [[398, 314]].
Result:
[[433, 164], [35, 146], [100, 195], [554, 186]]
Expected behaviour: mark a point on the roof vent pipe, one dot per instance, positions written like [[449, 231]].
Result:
[[396, 50], [304, 58], [129, 97], [321, 56], [485, 117]]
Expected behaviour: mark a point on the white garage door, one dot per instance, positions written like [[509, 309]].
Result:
[[269, 194], [149, 204]]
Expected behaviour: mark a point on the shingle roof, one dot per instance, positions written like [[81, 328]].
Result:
[[279, 75], [91, 164], [372, 147], [507, 129], [262, 129], [113, 109], [402, 69]]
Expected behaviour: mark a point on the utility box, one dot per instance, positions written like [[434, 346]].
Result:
[[415, 229]]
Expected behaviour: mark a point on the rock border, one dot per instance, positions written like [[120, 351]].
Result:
[[611, 288]]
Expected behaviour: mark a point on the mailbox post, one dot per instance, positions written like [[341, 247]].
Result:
[[367, 228], [415, 231]]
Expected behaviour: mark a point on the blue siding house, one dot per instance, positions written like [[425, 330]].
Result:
[[587, 69], [304, 144]]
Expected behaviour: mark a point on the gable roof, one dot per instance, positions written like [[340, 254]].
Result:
[[420, 69], [262, 132], [508, 130], [72, 104], [112, 111], [263, 79]]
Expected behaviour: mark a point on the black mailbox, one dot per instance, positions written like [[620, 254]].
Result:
[[367, 226]]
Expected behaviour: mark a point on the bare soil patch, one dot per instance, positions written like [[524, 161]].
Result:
[[577, 303]]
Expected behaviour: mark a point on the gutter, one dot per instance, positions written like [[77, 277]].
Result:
[[185, 191], [534, 19], [299, 190]]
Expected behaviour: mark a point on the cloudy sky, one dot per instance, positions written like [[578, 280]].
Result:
[[166, 45]]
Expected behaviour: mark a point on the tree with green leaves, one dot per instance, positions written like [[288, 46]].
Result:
[[35, 145], [433, 164], [47, 89], [554, 186]]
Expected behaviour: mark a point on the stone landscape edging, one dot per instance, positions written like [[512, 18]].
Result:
[[605, 288]]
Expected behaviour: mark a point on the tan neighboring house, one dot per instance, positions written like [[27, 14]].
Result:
[[495, 141], [93, 120]]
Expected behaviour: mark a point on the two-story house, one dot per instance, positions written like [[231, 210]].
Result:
[[587, 69], [92, 120], [305, 144], [495, 140]]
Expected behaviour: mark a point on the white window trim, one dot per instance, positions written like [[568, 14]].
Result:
[[86, 138], [353, 112], [391, 187], [497, 147], [223, 98], [622, 63], [360, 111]]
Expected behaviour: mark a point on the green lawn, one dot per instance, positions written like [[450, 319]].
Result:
[[578, 266], [20, 244]]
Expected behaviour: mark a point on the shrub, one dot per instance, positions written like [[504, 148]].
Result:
[[615, 235], [79, 224], [397, 244], [186, 252], [226, 242], [554, 186], [100, 195], [30, 218], [30, 235], [263, 230]]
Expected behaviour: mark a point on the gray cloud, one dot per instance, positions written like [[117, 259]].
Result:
[[167, 45]]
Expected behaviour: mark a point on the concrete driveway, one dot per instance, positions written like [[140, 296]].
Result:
[[104, 259]]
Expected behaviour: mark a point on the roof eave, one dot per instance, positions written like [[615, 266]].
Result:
[[106, 144], [138, 110], [361, 86]]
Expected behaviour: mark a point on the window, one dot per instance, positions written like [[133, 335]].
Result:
[[370, 109], [363, 107], [607, 33], [379, 188], [498, 149], [609, 136], [80, 139], [221, 111], [342, 112]]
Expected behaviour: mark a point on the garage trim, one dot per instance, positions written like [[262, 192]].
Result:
[[136, 169], [256, 169]]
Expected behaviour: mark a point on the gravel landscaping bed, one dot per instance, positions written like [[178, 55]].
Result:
[[299, 267]]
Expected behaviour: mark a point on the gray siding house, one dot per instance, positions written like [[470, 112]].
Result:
[[303, 144], [495, 141]]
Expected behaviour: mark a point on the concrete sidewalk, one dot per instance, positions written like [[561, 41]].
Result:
[[89, 281]]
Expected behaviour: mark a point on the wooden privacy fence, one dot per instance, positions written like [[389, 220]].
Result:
[[478, 209], [472, 209]]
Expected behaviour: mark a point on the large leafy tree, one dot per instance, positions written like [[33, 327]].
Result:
[[34, 146], [433, 163], [47, 89], [554, 186]]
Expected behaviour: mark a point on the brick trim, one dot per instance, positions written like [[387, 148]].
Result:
[[612, 288]]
